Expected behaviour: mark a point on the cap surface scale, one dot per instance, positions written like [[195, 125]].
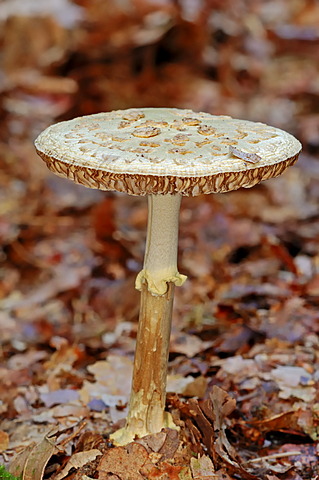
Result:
[[166, 150]]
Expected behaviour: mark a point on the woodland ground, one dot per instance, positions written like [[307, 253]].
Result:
[[244, 357]]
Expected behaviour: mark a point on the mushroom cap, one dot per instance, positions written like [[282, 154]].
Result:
[[166, 150]]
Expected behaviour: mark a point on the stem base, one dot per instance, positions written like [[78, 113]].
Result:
[[148, 394]]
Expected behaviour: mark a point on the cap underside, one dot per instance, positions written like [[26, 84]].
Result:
[[166, 150]]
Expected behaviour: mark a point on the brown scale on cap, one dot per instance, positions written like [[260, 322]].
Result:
[[180, 151], [240, 135], [140, 150], [217, 135], [103, 136], [203, 142], [119, 139], [206, 130], [152, 123], [179, 125], [228, 142], [191, 122], [146, 132], [124, 124], [179, 139], [133, 116], [149, 144]]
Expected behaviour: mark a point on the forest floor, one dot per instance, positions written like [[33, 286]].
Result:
[[244, 356]]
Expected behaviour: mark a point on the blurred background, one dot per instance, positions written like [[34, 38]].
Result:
[[249, 59], [68, 253]]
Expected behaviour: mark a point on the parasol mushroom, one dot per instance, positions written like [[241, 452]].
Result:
[[163, 153]]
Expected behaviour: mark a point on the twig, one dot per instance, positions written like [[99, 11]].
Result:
[[273, 456], [74, 434]]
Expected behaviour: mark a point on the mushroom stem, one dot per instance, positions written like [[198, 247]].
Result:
[[147, 402], [148, 394], [160, 261]]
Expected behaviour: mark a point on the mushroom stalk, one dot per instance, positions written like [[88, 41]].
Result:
[[156, 282], [160, 261]]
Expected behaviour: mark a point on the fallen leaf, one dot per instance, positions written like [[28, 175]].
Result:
[[222, 406], [68, 410], [204, 425], [170, 445], [4, 441], [283, 421], [153, 442], [196, 388], [240, 368], [34, 460], [293, 382], [125, 462], [18, 463], [210, 418], [189, 345], [77, 460], [103, 372], [113, 394], [202, 467], [162, 471], [59, 396], [89, 441]]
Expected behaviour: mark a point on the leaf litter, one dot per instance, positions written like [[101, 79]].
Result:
[[243, 371]]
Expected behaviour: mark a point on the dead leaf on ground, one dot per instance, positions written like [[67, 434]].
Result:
[[189, 345], [4, 441], [165, 443], [77, 461], [170, 444], [203, 467], [210, 417], [125, 462], [16, 467], [294, 382], [34, 461]]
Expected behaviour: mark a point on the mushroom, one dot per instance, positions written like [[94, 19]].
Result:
[[163, 153]]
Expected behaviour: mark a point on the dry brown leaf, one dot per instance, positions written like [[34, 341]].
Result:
[[89, 441], [196, 388], [33, 461], [189, 345], [203, 467], [77, 461], [17, 465], [293, 382], [239, 368], [164, 470], [170, 445], [210, 417], [125, 462], [297, 421], [38, 458], [4, 441], [222, 406], [204, 424], [153, 443]]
